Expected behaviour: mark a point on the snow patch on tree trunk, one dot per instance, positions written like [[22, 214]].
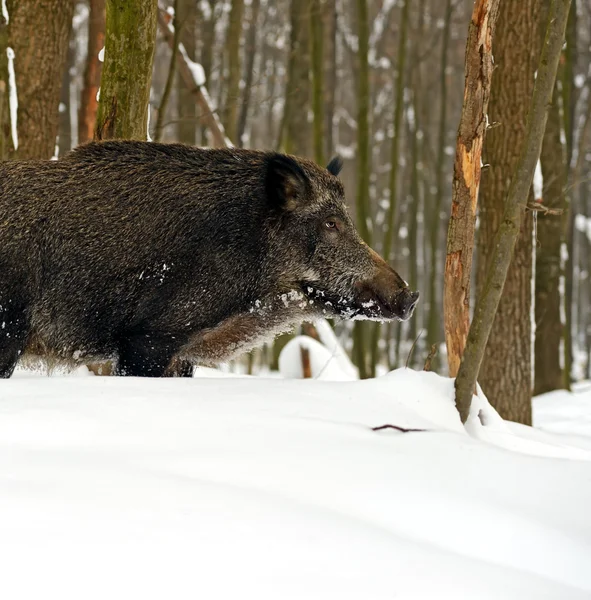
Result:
[[12, 93]]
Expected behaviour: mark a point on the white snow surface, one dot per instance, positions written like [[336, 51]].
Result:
[[242, 487]]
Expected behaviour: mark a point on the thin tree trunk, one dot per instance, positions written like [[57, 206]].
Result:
[[330, 71], [187, 117], [38, 33], [506, 376], [233, 36], [466, 181], [568, 102], [251, 51], [127, 70], [434, 321], [295, 131], [64, 132], [390, 227], [515, 205], [207, 49], [177, 26], [317, 79], [360, 332], [549, 329], [92, 72]]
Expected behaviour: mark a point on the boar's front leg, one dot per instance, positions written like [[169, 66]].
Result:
[[14, 331], [146, 355]]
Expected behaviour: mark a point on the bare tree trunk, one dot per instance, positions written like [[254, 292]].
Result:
[[251, 51], [330, 71], [38, 33], [360, 332], [64, 141], [549, 329], [127, 70], [390, 226], [176, 40], [466, 181], [317, 79], [509, 230], [506, 376], [295, 130], [434, 321], [233, 36], [568, 102], [187, 116], [92, 73]]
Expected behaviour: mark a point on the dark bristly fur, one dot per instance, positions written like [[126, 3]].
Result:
[[145, 252]]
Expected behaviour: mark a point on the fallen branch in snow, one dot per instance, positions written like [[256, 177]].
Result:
[[192, 75], [397, 428]]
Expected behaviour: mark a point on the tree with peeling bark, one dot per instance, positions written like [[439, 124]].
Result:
[[127, 71], [515, 206], [466, 180], [92, 72], [38, 35]]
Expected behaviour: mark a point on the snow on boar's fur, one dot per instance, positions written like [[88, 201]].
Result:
[[144, 253]]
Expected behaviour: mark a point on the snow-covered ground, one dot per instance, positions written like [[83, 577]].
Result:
[[237, 487]]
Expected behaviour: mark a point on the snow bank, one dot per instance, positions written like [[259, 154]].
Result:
[[265, 488]]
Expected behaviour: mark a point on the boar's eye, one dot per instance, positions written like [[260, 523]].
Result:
[[331, 225]]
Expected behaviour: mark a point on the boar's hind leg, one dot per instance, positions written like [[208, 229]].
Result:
[[145, 355], [14, 330]]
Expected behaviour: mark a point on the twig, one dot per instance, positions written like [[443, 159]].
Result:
[[412, 348], [430, 357], [539, 207], [397, 428]]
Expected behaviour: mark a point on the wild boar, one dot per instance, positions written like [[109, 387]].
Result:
[[143, 253]]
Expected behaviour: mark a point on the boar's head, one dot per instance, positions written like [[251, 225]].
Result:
[[319, 250]]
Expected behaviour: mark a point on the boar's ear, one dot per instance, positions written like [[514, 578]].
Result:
[[335, 166], [286, 182]]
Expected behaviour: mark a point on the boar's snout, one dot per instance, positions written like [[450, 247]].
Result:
[[385, 295]]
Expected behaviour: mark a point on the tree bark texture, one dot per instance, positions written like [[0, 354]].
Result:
[[506, 370], [329, 27], [296, 131], [251, 51], [550, 234], [496, 286], [466, 180], [361, 332], [127, 70], [92, 72], [39, 34], [317, 48]]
